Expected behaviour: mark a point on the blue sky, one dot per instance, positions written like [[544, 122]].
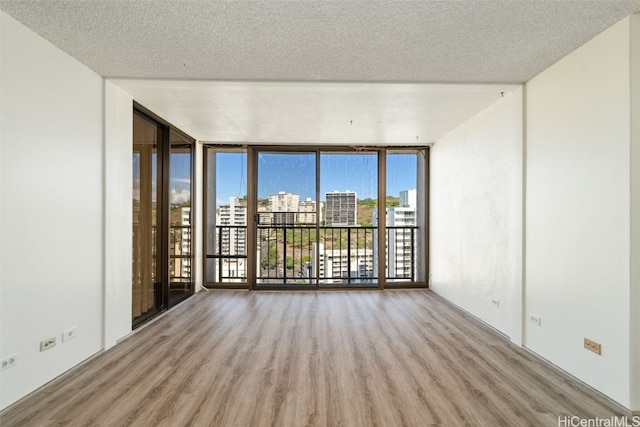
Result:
[[179, 177], [295, 173]]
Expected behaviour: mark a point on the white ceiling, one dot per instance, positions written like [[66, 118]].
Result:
[[226, 71], [313, 113]]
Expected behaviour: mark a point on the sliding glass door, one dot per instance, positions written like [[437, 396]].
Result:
[[286, 219], [147, 190], [405, 256], [225, 218], [347, 249], [180, 224], [314, 219], [162, 212]]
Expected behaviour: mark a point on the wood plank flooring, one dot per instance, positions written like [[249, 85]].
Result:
[[343, 358]]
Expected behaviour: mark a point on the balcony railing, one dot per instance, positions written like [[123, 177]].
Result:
[[147, 277], [305, 255], [180, 254], [229, 260], [346, 256]]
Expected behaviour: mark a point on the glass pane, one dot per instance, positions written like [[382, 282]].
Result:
[[402, 215], [349, 193], [180, 254], [287, 213], [226, 235], [146, 278]]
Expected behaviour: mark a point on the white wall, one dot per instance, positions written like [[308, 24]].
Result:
[[476, 213], [635, 212], [118, 208], [52, 209], [578, 212]]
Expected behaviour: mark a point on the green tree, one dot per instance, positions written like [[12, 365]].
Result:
[[290, 262], [369, 203], [270, 259], [393, 201]]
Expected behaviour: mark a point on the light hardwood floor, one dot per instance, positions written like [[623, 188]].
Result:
[[350, 358]]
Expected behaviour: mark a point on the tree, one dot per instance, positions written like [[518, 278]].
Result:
[[271, 257], [290, 262]]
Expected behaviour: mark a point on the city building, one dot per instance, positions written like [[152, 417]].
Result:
[[286, 209], [402, 243], [281, 211], [402, 237], [307, 211], [231, 240], [408, 198], [341, 208], [185, 241], [284, 202], [337, 266]]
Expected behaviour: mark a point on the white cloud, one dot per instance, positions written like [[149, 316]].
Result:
[[182, 180], [179, 195]]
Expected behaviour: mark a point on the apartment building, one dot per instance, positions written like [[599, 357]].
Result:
[[402, 237], [284, 202], [336, 266], [307, 211], [231, 221], [341, 208]]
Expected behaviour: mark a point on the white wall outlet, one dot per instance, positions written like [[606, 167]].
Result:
[[536, 320], [47, 344], [495, 302], [9, 361], [69, 334]]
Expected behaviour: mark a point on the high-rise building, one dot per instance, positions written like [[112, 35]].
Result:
[[408, 198], [341, 208], [401, 237], [185, 241], [307, 211], [336, 266], [232, 214], [232, 240], [284, 202], [282, 211]]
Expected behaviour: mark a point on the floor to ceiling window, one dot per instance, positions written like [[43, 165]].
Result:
[[405, 240], [162, 226], [146, 292], [307, 218], [347, 248], [225, 218]]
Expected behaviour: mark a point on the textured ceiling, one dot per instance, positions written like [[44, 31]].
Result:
[[430, 41], [299, 72]]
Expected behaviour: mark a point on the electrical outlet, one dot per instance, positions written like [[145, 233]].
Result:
[[9, 362], [69, 334], [536, 320], [495, 302], [592, 346], [47, 344]]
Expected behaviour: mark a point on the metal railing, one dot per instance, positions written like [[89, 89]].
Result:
[[229, 259], [332, 256], [329, 256], [180, 254]]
